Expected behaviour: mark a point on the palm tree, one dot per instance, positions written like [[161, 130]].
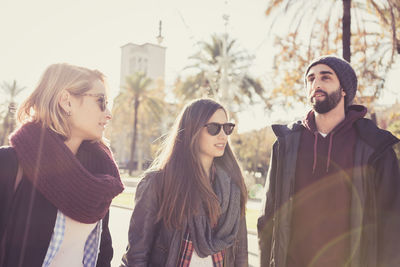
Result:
[[346, 30], [219, 70], [309, 11], [11, 90], [138, 95]]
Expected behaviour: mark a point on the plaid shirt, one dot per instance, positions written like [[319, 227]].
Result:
[[92, 244], [186, 252]]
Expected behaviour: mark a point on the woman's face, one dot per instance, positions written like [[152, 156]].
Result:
[[213, 146], [88, 120]]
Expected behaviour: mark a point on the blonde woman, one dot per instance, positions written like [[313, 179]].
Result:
[[57, 179]]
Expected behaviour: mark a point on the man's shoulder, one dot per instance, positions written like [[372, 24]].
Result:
[[369, 132], [281, 130]]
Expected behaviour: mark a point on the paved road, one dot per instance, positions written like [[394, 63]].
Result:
[[119, 225]]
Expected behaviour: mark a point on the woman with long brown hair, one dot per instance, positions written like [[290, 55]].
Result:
[[57, 179], [190, 206]]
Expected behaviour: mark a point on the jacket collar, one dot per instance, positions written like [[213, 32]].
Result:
[[282, 130], [377, 138]]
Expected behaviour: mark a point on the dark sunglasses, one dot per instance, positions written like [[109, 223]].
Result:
[[101, 100], [213, 128]]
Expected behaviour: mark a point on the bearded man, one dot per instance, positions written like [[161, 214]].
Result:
[[332, 195]]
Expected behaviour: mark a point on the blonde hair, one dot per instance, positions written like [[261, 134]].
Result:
[[43, 106]]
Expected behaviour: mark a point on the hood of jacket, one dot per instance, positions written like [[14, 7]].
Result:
[[353, 113], [377, 138]]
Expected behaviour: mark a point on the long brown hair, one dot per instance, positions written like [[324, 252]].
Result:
[[185, 185]]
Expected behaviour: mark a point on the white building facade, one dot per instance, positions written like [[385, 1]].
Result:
[[147, 58]]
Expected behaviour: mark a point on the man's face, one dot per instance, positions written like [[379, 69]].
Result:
[[323, 89]]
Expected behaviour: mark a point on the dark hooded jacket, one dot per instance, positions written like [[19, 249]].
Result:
[[374, 200], [322, 191]]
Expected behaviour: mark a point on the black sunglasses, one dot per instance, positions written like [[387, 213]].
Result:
[[101, 100], [213, 128]]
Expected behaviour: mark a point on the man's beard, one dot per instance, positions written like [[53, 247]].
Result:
[[330, 102]]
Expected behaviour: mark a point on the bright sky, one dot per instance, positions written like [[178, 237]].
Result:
[[90, 33]]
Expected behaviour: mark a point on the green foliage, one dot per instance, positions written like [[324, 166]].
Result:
[[8, 109], [253, 150], [394, 128], [219, 69], [305, 14], [137, 112]]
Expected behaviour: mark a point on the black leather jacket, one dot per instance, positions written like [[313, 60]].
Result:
[[152, 244]]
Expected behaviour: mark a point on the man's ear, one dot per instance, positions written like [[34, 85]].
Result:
[[64, 101], [343, 92]]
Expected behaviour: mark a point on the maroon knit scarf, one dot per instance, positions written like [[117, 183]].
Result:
[[81, 186]]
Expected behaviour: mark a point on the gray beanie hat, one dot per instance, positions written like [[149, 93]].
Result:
[[343, 70]]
